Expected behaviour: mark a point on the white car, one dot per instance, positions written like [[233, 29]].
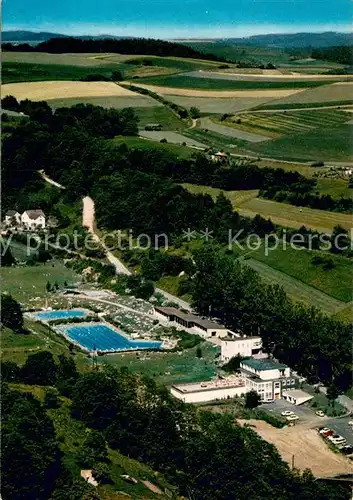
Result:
[[287, 413], [350, 422], [293, 417], [320, 413], [337, 440]]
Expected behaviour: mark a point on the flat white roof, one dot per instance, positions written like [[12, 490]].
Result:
[[210, 385], [297, 394]]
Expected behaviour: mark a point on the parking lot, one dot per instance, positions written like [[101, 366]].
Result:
[[341, 427], [305, 413]]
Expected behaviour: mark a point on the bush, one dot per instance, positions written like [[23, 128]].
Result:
[[51, 399], [163, 140]]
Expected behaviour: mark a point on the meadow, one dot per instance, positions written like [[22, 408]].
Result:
[[135, 101], [27, 282], [335, 282], [247, 203], [160, 114], [211, 105], [326, 144], [150, 145]]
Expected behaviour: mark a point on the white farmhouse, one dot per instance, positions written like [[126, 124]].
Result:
[[33, 219], [12, 218]]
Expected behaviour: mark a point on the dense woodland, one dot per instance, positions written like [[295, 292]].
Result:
[[141, 420], [340, 55], [138, 46]]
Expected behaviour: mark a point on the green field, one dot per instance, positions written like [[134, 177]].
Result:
[[336, 188], [27, 282], [215, 139], [189, 82], [13, 72], [292, 122], [135, 101], [336, 282], [326, 144], [162, 115], [149, 145], [246, 203], [169, 368]]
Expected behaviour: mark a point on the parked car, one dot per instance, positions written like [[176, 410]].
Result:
[[335, 439], [287, 413], [293, 417], [320, 413], [347, 449], [325, 432], [350, 422]]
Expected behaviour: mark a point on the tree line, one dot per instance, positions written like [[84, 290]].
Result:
[[138, 46], [341, 55], [141, 420]]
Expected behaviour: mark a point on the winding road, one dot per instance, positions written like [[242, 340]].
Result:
[[88, 221]]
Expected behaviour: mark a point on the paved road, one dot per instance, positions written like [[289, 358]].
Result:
[[232, 132]]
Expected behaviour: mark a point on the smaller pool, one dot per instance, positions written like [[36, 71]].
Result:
[[60, 314]]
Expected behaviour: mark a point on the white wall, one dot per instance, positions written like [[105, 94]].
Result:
[[243, 346], [33, 223], [203, 396], [267, 374]]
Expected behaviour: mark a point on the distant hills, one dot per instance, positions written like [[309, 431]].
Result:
[[283, 41]]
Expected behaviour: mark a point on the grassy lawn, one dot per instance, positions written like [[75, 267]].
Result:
[[305, 170], [181, 81], [324, 144], [321, 402], [27, 72], [161, 115], [336, 282], [17, 347], [346, 314], [27, 282], [149, 145], [169, 368]]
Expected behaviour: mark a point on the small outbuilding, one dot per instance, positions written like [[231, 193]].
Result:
[[297, 396], [153, 126]]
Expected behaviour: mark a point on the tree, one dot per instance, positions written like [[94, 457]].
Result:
[[195, 112], [252, 399], [10, 372], [101, 473], [51, 399], [332, 393], [199, 352], [48, 287], [117, 76], [40, 368], [10, 102], [7, 258], [11, 313]]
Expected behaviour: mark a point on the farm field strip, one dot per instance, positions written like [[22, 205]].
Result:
[[192, 92], [118, 102], [207, 123], [64, 89], [336, 92], [275, 75], [218, 105], [172, 137], [295, 288], [291, 121]]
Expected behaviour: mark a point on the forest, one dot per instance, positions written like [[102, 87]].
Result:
[[340, 55], [137, 46], [140, 419]]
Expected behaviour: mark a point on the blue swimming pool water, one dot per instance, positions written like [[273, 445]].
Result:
[[60, 314], [101, 337]]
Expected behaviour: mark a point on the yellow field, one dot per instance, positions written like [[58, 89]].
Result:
[[270, 94], [39, 91], [247, 204], [335, 92]]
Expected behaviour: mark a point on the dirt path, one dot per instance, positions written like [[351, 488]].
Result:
[[49, 180], [309, 449]]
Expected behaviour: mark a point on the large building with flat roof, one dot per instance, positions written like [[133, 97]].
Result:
[[201, 392], [232, 346], [190, 322], [267, 377]]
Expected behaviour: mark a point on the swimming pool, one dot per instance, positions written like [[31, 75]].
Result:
[[60, 314], [103, 338]]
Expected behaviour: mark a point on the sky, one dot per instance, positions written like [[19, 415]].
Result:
[[178, 18]]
